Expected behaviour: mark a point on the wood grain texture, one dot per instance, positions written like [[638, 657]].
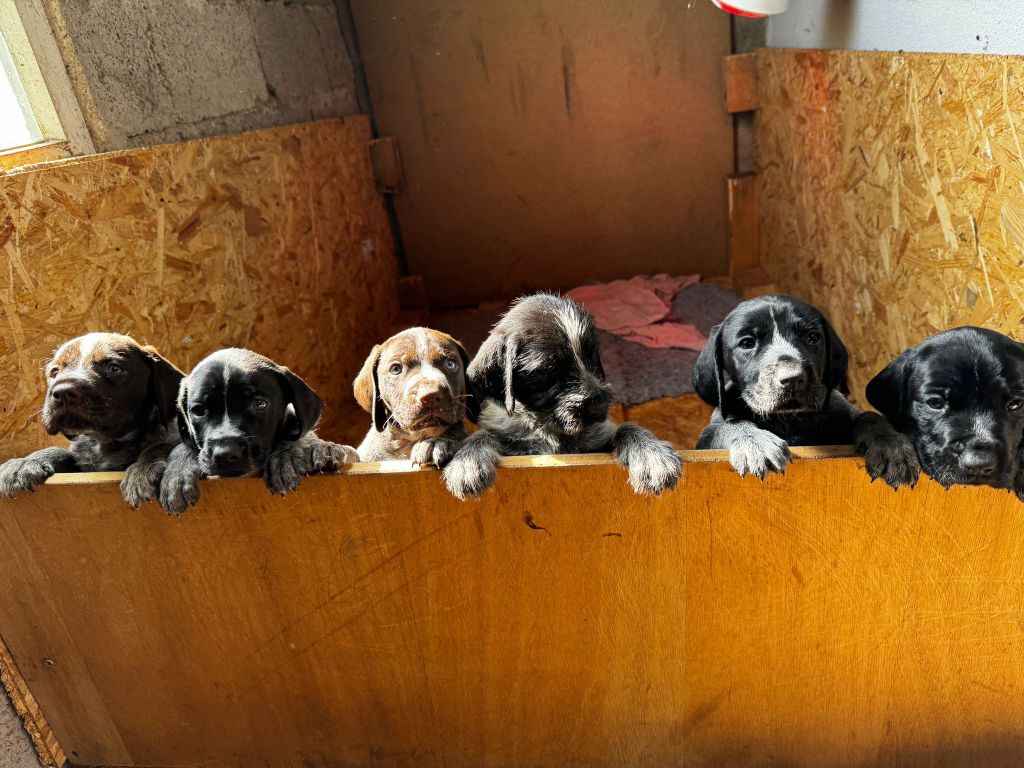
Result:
[[275, 240], [371, 619], [545, 144], [740, 72], [892, 192]]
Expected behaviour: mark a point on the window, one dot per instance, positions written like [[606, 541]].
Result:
[[19, 126]]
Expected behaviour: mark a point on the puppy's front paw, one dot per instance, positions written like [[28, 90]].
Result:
[[435, 450], [325, 456], [141, 481], [652, 469], [468, 476], [19, 475], [179, 490], [759, 454], [285, 469], [894, 459]]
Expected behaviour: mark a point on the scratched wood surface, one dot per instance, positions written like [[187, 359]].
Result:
[[371, 619]]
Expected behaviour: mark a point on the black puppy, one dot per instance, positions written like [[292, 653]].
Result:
[[543, 390], [960, 397], [114, 399], [242, 414], [771, 368]]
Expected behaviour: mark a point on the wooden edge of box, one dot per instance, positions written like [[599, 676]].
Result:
[[38, 730]]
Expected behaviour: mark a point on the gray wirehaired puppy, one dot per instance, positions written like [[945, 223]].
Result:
[[544, 392]]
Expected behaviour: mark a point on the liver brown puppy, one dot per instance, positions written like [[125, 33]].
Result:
[[241, 414], [114, 399], [414, 385], [540, 375], [771, 369], [959, 395]]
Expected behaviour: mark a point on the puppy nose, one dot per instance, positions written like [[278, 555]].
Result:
[[226, 453], [65, 392], [431, 397], [792, 377], [979, 461]]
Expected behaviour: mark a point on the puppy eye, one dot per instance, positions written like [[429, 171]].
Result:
[[935, 402], [1015, 404], [813, 337], [395, 369], [450, 364], [114, 368], [747, 342], [54, 370], [197, 410], [259, 404]]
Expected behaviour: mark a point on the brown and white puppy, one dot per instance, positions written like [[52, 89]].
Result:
[[114, 399], [414, 385], [241, 414]]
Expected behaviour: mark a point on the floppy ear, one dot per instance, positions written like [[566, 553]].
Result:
[[492, 369], [468, 390], [307, 403], [836, 357], [708, 379], [164, 380], [185, 428], [887, 392], [367, 390]]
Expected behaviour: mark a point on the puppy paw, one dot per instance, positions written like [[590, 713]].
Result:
[[179, 491], [894, 459], [19, 475], [759, 454], [652, 469], [435, 450], [285, 470], [325, 456], [466, 476], [142, 481]]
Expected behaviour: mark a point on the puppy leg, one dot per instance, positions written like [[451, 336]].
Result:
[[25, 474], [888, 454], [653, 464], [142, 479], [473, 468], [439, 450], [290, 462], [752, 450], [179, 486]]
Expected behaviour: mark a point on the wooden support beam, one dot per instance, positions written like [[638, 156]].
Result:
[[740, 82], [387, 165]]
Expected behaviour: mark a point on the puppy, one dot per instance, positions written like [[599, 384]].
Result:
[[242, 414], [414, 385], [114, 399], [960, 397], [771, 369], [543, 390]]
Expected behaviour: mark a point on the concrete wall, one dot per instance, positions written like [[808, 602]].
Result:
[[152, 71], [939, 26]]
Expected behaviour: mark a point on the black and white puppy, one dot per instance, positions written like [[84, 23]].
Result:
[[959, 395], [543, 391], [241, 414], [771, 370], [114, 399]]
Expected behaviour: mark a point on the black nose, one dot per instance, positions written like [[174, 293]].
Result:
[[792, 379], [981, 461], [227, 454], [65, 392]]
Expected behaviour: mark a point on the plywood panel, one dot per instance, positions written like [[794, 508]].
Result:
[[275, 240], [371, 619], [546, 143], [892, 192]]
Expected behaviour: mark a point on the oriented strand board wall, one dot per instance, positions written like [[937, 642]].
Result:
[[373, 619], [892, 192], [548, 143], [275, 240]]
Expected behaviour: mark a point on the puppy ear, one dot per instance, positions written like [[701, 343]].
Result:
[[164, 380], [887, 392], [468, 390], [307, 403], [492, 369], [708, 376], [836, 357], [367, 390], [185, 428]]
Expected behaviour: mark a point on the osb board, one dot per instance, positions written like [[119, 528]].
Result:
[[373, 619], [892, 192], [548, 143], [25, 705], [275, 240]]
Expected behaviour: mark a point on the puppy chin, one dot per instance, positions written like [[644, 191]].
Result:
[[766, 402], [425, 424], [947, 472], [68, 424]]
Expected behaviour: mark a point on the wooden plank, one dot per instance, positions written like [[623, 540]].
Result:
[[740, 82], [744, 252], [387, 165], [27, 708], [230, 241], [891, 192], [373, 619], [548, 144]]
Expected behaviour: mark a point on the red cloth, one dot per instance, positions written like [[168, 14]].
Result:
[[636, 310]]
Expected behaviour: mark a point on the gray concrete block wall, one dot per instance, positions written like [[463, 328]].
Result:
[[153, 71]]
